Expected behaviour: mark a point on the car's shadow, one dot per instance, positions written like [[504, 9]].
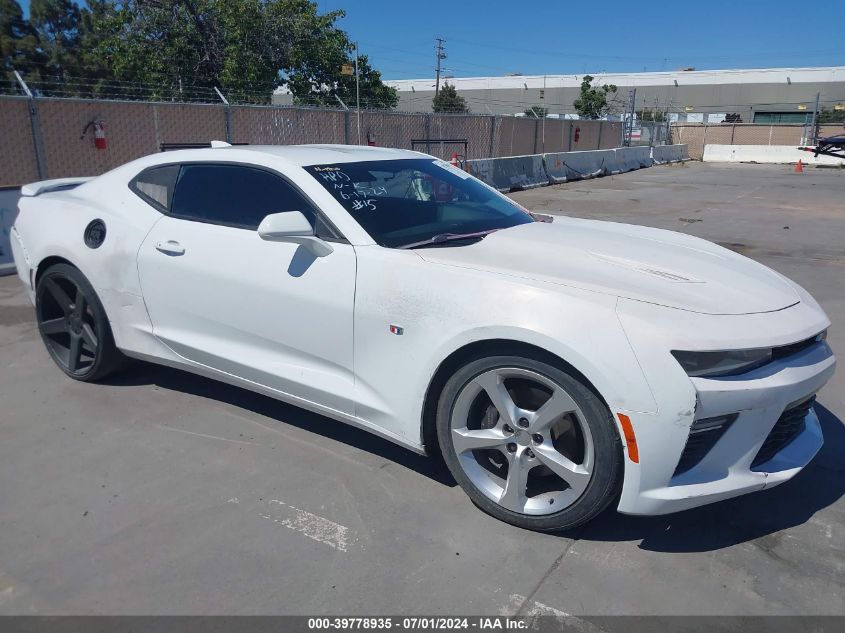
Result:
[[744, 518], [704, 529], [168, 378]]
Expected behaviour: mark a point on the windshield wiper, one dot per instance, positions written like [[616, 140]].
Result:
[[441, 238]]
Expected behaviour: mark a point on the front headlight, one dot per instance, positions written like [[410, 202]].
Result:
[[728, 363]]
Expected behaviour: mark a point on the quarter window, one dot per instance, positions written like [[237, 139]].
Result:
[[155, 185], [234, 195]]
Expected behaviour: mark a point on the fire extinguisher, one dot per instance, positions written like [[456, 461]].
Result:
[[99, 129], [577, 134]]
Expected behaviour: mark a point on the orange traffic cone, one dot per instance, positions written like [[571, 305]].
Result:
[[799, 167]]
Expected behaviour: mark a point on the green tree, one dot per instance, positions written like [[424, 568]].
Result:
[[184, 48], [91, 66], [374, 93], [830, 115], [160, 49], [57, 26], [538, 109], [448, 100], [592, 104], [19, 47]]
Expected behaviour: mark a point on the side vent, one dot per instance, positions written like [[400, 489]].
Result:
[[703, 435], [789, 426]]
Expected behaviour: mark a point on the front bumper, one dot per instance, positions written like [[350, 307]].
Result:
[[758, 398]]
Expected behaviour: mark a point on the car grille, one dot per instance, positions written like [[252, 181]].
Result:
[[789, 426], [703, 436]]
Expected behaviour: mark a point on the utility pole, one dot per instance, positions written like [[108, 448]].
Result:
[[441, 55], [813, 127], [228, 114], [40, 162], [357, 93], [545, 113], [629, 124]]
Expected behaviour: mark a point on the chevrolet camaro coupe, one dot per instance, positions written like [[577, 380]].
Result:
[[558, 367]]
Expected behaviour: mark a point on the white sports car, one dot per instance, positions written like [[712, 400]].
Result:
[[557, 367]]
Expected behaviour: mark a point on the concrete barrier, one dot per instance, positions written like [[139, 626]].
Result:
[[777, 154], [536, 170], [631, 158], [8, 213], [662, 154], [510, 173], [563, 166]]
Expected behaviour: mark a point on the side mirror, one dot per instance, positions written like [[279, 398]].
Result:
[[293, 227]]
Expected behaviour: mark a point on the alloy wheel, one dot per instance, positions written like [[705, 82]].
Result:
[[522, 441], [66, 320]]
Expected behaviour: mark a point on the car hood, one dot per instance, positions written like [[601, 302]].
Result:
[[641, 263]]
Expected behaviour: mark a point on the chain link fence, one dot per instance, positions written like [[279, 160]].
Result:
[[650, 133], [697, 135], [49, 137]]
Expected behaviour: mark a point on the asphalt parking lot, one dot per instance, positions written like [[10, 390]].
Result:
[[165, 493]]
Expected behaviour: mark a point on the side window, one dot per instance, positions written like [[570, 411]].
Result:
[[234, 195], [155, 185]]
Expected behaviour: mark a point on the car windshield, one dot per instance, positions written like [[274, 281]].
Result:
[[418, 202]]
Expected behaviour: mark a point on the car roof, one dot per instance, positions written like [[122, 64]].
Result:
[[297, 155], [303, 155]]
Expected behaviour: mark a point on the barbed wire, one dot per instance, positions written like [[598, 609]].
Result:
[[69, 86]]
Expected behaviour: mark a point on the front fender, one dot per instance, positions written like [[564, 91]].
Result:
[[441, 309]]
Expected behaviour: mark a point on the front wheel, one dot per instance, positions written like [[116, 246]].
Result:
[[529, 443]]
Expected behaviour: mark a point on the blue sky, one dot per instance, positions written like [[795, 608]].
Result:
[[498, 37]]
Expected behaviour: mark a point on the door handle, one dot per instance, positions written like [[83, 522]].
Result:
[[170, 247]]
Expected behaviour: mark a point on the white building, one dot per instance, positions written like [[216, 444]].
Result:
[[765, 95]]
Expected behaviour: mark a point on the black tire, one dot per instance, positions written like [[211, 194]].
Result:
[[71, 317], [606, 479]]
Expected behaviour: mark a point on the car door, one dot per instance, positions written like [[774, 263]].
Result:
[[219, 295]]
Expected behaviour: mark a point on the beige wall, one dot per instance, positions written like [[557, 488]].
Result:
[[132, 130], [130, 133], [261, 125], [697, 135], [135, 129], [17, 158]]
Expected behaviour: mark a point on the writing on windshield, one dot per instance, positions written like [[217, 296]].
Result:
[[409, 201]]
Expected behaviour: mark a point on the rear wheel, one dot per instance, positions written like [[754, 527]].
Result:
[[73, 325], [529, 443]]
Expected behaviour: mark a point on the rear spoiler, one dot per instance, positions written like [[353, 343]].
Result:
[[57, 184]]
